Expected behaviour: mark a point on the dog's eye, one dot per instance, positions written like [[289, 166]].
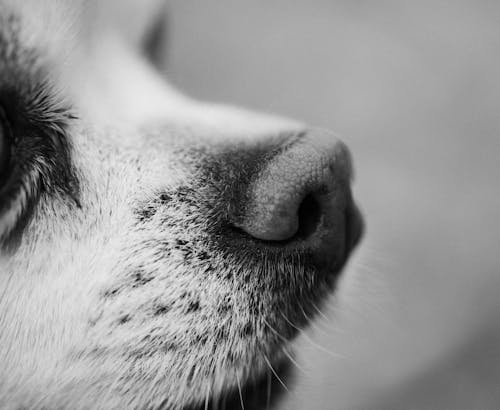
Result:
[[4, 153], [35, 160]]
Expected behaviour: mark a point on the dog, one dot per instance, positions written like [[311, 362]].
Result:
[[155, 252]]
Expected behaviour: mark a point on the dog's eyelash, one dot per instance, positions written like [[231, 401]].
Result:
[[34, 124]]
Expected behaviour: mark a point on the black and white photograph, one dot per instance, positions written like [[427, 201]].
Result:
[[249, 205]]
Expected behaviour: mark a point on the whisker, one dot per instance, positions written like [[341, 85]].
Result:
[[285, 351], [304, 313], [275, 331], [221, 404], [239, 391], [207, 397], [312, 342], [320, 312], [312, 323], [330, 327], [269, 386], [290, 357], [274, 372]]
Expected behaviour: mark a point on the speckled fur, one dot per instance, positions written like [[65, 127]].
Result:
[[139, 294]]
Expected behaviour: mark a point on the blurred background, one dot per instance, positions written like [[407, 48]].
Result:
[[413, 89]]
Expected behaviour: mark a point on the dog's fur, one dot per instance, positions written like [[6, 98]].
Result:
[[120, 284]]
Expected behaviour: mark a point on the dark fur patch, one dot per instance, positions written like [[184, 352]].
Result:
[[140, 278], [124, 319], [222, 175], [161, 310], [193, 306]]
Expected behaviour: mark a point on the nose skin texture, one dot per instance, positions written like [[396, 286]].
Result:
[[303, 193]]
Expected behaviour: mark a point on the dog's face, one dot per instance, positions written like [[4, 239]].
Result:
[[156, 252]]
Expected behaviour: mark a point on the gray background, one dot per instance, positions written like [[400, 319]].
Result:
[[413, 88]]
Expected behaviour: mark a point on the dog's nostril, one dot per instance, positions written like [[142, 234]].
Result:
[[309, 215]]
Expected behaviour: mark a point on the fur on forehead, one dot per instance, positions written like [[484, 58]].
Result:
[[48, 26], [59, 27]]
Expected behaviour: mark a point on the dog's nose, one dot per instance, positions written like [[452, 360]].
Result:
[[303, 194]]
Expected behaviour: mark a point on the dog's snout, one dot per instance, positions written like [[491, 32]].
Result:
[[303, 194]]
